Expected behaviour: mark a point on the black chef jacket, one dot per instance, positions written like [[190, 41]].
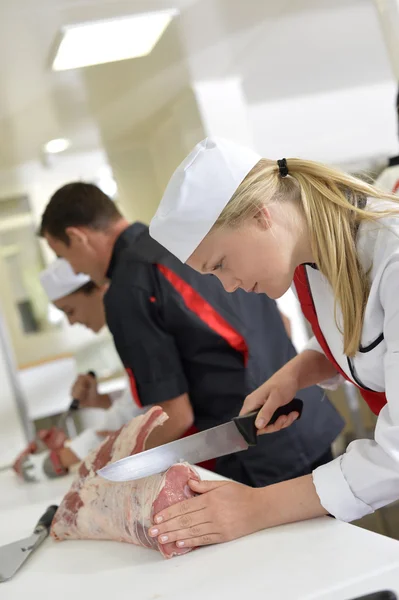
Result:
[[178, 332]]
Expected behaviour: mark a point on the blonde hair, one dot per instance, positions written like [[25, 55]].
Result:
[[331, 202]]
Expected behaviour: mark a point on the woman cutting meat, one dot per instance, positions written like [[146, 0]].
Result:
[[263, 225]]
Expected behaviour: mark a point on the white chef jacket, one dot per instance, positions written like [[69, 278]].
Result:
[[122, 410], [366, 476]]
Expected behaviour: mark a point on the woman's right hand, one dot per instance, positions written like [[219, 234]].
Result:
[[280, 389], [307, 368]]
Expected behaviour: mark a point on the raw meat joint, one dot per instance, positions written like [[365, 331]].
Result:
[[96, 509]]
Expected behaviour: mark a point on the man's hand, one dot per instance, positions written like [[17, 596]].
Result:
[[39, 467], [53, 438], [181, 418], [85, 390], [33, 465], [30, 449]]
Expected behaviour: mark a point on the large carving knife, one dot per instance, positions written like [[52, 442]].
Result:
[[234, 436]]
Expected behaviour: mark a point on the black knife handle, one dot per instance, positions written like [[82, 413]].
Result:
[[75, 402], [46, 519], [74, 405], [246, 423]]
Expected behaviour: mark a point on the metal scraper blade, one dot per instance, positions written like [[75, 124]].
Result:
[[12, 556]]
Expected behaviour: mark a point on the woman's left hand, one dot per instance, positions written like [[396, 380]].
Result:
[[222, 511]]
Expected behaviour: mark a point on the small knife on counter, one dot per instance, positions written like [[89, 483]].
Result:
[[234, 436], [13, 556]]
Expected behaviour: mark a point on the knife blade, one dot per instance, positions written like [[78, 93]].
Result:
[[13, 556], [234, 436]]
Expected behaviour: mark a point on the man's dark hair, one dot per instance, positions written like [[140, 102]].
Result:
[[75, 205], [87, 288]]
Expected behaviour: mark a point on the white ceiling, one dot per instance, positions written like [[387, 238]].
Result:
[[35, 103], [281, 48]]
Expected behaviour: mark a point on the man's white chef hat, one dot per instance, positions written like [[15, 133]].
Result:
[[59, 280], [197, 193]]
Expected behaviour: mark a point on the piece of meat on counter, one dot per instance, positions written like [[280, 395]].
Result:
[[96, 509]]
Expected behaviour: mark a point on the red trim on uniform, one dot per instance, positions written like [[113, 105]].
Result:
[[199, 306], [395, 187], [375, 400], [133, 387]]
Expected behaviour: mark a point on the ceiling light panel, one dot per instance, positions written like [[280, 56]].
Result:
[[94, 43]]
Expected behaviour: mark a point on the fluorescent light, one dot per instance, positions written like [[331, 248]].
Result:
[[57, 145], [106, 182], [94, 43]]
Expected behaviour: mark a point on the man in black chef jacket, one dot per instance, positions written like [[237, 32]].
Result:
[[186, 344]]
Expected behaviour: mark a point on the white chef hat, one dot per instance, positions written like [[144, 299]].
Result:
[[59, 280], [197, 193]]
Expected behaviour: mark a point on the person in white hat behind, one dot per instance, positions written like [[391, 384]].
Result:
[[262, 225], [82, 302]]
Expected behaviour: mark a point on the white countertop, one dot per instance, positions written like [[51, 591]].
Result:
[[316, 559], [15, 493]]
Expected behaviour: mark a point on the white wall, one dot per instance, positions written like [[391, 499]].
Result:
[[145, 159], [135, 177], [39, 183], [311, 47], [316, 74], [336, 127], [174, 133], [12, 438]]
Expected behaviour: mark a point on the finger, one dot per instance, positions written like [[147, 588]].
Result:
[[181, 508], [203, 540], [83, 381], [201, 487], [78, 387], [189, 535], [285, 421], [292, 417], [183, 522], [267, 411], [274, 401], [254, 401], [282, 423]]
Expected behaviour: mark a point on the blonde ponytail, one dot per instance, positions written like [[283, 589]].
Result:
[[333, 204]]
